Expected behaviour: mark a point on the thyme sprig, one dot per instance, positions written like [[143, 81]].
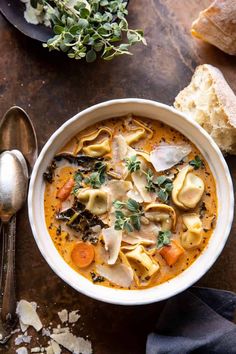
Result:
[[132, 163], [90, 27], [97, 178], [128, 215], [162, 185]]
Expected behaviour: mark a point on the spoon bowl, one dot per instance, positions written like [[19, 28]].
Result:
[[13, 184], [17, 132]]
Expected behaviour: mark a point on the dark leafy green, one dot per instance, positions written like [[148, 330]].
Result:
[[49, 173], [78, 178], [85, 163], [81, 220], [96, 278]]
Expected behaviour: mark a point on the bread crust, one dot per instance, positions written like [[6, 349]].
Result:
[[217, 25], [208, 81]]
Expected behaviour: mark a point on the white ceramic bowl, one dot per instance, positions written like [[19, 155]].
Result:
[[190, 129]]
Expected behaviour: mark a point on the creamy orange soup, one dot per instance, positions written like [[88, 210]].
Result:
[[130, 203]]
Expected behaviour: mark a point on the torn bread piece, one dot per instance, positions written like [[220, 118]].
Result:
[[28, 316], [217, 26], [210, 101]]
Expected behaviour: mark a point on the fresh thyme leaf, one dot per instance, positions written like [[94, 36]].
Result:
[[127, 225], [163, 238], [164, 187], [135, 220], [118, 205], [97, 178], [196, 163], [84, 29], [132, 163], [163, 195], [132, 205], [150, 186], [119, 214], [129, 219]]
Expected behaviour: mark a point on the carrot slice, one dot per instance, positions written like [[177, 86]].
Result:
[[82, 254], [172, 252], [66, 189]]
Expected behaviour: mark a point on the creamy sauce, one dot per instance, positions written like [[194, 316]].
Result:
[[207, 207]]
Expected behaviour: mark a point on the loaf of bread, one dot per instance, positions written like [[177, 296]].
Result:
[[217, 25], [210, 101]]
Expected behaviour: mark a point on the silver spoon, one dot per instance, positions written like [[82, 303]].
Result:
[[16, 132], [13, 192]]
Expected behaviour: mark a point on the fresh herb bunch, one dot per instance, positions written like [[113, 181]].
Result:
[[162, 186], [196, 163], [97, 178], [132, 163], [163, 238], [90, 27], [129, 218]]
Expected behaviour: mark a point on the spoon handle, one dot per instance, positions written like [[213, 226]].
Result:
[[8, 312]]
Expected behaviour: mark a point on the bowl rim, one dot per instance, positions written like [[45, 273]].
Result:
[[110, 297]]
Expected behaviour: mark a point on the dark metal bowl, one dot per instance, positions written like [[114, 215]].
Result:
[[13, 11]]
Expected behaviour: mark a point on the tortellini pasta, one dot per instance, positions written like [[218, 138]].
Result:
[[193, 236], [187, 189], [94, 200], [161, 213], [99, 148], [139, 133], [142, 259]]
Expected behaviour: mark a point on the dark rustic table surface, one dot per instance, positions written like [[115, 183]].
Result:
[[52, 88]]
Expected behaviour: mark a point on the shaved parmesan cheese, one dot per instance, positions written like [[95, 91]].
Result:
[[166, 156], [119, 274], [21, 338], [119, 148], [23, 327], [56, 348], [28, 315], [36, 350], [46, 332], [140, 182], [49, 350], [22, 350], [76, 345], [134, 194], [146, 236], [112, 239], [60, 330], [117, 190], [74, 316], [63, 315]]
